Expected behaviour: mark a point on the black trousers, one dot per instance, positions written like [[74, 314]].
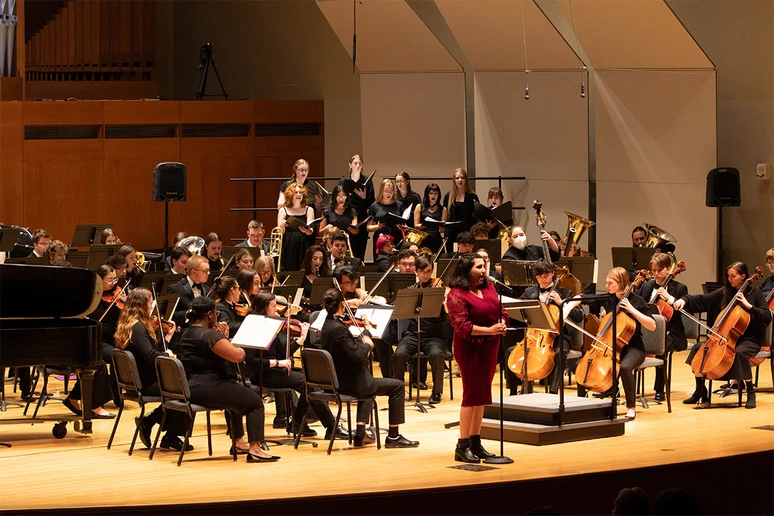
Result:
[[397, 398], [278, 377], [631, 358], [176, 422], [101, 392], [433, 347], [107, 356], [384, 348], [212, 391]]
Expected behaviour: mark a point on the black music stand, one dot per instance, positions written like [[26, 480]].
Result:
[[319, 287], [86, 235], [78, 259], [418, 303], [445, 268], [494, 248], [535, 315], [8, 238], [582, 267], [231, 250], [398, 281], [632, 258], [293, 278]]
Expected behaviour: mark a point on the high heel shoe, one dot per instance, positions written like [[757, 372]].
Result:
[[698, 394], [69, 404], [257, 458]]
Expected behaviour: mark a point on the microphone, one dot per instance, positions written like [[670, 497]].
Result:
[[500, 283]]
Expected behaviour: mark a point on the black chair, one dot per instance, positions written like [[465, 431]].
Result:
[[175, 395], [655, 344], [323, 384], [129, 389]]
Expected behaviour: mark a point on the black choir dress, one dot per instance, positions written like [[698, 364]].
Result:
[[413, 199], [361, 207], [341, 221], [458, 212], [294, 244], [390, 228], [434, 239]]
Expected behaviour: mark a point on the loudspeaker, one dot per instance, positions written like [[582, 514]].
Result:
[[723, 187], [169, 182]]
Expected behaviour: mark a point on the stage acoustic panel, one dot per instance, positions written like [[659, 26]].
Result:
[[540, 435], [543, 409]]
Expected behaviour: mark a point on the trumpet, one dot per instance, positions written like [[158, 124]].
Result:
[[275, 247]]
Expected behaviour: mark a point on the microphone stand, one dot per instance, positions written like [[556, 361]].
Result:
[[500, 459]]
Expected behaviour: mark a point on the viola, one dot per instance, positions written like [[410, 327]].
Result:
[[664, 308], [716, 355]]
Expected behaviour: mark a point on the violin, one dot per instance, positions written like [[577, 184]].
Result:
[[716, 354], [165, 325], [357, 321], [115, 297], [595, 368], [296, 327], [664, 308], [242, 309]]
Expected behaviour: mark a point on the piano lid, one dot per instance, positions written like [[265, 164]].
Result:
[[28, 291]]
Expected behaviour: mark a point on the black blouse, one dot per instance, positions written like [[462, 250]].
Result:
[[145, 352], [340, 221], [196, 352], [359, 205], [637, 302]]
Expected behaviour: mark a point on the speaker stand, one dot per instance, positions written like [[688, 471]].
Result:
[[166, 229], [719, 272]]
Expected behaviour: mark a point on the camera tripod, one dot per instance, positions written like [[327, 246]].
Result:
[[205, 60]]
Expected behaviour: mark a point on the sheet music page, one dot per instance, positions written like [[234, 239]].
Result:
[[257, 332], [318, 323], [379, 316]]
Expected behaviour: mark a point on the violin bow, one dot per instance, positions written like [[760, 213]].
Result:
[[373, 289], [113, 302], [158, 313]]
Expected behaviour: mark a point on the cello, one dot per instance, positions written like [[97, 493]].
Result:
[[716, 355], [665, 309], [595, 371]]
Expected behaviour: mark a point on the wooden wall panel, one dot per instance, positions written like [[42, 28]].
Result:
[[63, 183], [128, 181], [289, 146], [63, 113], [216, 111], [289, 111], [12, 165], [142, 112]]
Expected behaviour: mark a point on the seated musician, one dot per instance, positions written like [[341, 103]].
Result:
[[40, 241], [314, 266], [206, 353], [480, 231], [264, 266], [350, 358], [179, 257], [496, 199], [520, 250], [249, 284], [243, 259], [136, 333], [226, 293], [407, 261], [639, 236], [340, 252], [109, 237], [385, 247], [544, 273], [177, 238], [767, 285], [193, 285], [650, 291], [465, 244], [255, 234], [633, 353], [278, 372], [133, 273], [749, 343], [433, 337], [56, 250], [109, 322], [118, 263], [213, 246]]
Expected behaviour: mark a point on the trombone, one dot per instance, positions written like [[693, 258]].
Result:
[[275, 247]]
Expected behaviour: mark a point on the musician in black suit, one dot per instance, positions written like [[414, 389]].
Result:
[[178, 259], [340, 253], [350, 358], [255, 234], [544, 291], [650, 292], [520, 250], [40, 240], [193, 285]]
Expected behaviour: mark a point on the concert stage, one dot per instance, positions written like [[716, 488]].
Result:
[[725, 456]]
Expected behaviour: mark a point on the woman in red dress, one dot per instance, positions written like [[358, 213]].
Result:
[[478, 322]]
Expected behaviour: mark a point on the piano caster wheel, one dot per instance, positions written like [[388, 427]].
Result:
[[59, 430]]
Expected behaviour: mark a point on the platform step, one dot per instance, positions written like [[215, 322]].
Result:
[[540, 435], [543, 409]]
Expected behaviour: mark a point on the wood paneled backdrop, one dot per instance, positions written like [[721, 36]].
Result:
[[58, 183]]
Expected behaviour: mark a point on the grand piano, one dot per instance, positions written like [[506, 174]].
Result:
[[42, 322]]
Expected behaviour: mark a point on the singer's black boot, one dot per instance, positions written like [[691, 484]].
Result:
[[463, 453], [477, 449]]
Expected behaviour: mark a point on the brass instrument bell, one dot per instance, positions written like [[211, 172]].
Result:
[[193, 244], [656, 236], [413, 236], [576, 225]]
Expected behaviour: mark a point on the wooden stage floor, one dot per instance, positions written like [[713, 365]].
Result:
[[78, 472]]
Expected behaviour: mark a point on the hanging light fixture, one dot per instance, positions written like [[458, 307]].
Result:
[[577, 51], [526, 62]]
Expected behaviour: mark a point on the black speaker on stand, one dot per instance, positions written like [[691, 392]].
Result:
[[169, 185], [723, 189]]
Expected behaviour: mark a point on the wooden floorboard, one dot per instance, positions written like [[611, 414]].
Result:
[[79, 472]]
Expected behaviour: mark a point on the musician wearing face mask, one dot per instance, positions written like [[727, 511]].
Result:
[[650, 292], [520, 250], [340, 253], [548, 294], [433, 337], [749, 343]]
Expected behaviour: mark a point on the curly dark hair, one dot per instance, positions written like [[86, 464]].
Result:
[[461, 275], [200, 307]]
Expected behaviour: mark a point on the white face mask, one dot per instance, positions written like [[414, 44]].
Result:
[[520, 242]]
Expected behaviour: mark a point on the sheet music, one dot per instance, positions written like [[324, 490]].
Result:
[[257, 332], [379, 316]]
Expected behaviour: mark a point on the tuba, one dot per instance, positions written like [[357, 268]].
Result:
[[193, 244], [275, 247], [504, 234], [576, 225], [657, 236], [141, 263]]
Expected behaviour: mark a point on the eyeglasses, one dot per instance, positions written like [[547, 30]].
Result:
[[347, 283]]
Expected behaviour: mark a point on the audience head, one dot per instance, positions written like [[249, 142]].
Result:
[[631, 501], [675, 501]]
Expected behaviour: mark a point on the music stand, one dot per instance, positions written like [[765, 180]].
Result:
[[445, 268], [518, 273], [397, 282], [494, 248], [167, 304], [319, 287], [582, 267], [632, 258], [418, 303], [371, 278], [293, 278], [535, 315], [8, 238], [86, 235], [78, 259], [231, 250]]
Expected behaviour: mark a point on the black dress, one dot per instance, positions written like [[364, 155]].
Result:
[[311, 191], [294, 244], [361, 206], [390, 228], [413, 199], [434, 239], [458, 212], [340, 221]]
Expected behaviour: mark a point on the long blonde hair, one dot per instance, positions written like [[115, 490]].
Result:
[[385, 183], [135, 309], [468, 189]]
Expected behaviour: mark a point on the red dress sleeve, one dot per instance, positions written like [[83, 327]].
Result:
[[458, 314]]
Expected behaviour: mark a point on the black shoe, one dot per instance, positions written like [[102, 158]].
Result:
[[340, 433], [698, 394], [400, 442], [69, 404], [434, 398], [463, 453], [607, 394], [477, 449], [239, 451], [173, 443], [306, 432], [422, 386], [257, 458], [659, 396], [27, 397], [362, 440], [750, 400], [109, 415], [280, 422], [145, 431]]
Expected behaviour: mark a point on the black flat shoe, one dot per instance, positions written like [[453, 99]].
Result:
[[239, 451], [659, 396], [280, 422], [306, 432], [750, 400], [109, 415], [257, 458], [400, 442], [145, 431], [69, 404], [362, 440], [435, 398], [174, 443], [340, 433]]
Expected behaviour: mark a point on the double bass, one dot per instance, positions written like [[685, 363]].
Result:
[[595, 368], [565, 277], [716, 355]]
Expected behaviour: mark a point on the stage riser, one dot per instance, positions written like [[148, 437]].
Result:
[[521, 415], [545, 435]]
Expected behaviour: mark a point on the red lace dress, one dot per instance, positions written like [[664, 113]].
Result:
[[475, 355]]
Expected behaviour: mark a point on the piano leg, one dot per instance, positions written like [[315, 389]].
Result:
[[87, 389]]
